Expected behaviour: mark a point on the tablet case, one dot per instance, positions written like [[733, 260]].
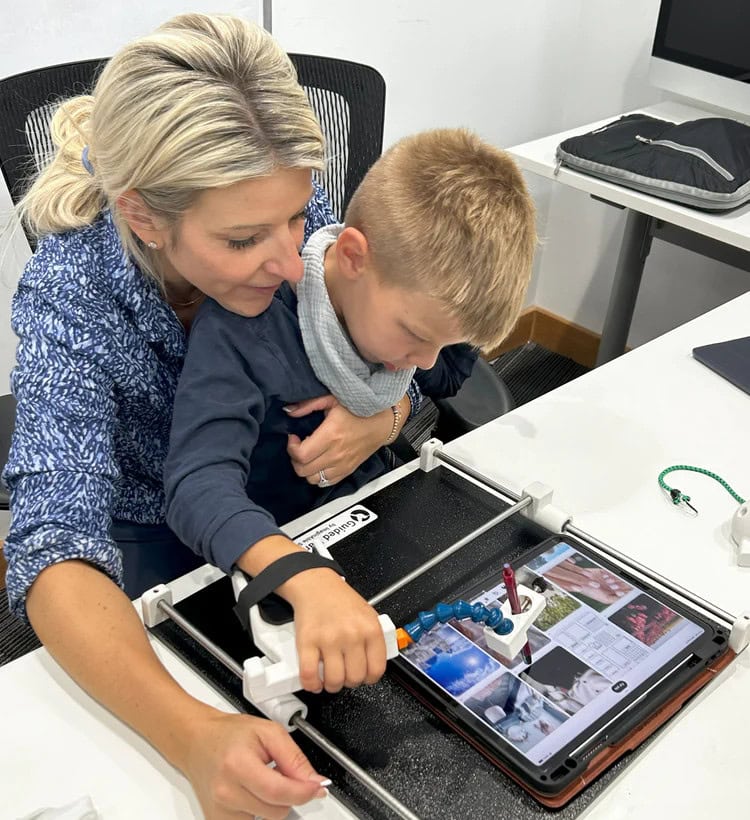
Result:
[[608, 755], [629, 732], [729, 359]]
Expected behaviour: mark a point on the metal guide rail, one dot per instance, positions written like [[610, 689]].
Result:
[[562, 522]]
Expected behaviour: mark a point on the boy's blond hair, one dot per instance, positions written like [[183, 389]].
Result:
[[448, 215]]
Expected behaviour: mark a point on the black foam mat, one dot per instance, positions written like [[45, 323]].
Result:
[[408, 750]]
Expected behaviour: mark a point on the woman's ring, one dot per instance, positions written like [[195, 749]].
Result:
[[323, 481]]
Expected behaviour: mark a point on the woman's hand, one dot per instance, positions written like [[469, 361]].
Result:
[[336, 627], [341, 443], [227, 766]]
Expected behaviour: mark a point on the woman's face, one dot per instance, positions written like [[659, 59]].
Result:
[[238, 244]]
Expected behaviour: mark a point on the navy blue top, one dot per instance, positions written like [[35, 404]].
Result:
[[228, 478], [452, 368]]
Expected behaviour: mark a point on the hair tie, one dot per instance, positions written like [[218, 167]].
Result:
[[85, 160]]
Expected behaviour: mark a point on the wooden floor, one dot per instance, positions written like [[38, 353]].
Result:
[[554, 333]]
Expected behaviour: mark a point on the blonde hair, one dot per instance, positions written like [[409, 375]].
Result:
[[203, 102], [450, 216]]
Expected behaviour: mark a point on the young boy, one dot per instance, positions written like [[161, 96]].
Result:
[[436, 249]]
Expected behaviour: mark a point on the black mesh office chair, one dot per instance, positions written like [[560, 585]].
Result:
[[349, 99], [7, 420], [27, 102]]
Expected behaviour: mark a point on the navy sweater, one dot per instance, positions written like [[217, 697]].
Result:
[[228, 478]]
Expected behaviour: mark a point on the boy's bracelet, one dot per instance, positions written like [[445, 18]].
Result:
[[396, 428]]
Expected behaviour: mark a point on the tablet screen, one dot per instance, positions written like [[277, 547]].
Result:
[[598, 638]]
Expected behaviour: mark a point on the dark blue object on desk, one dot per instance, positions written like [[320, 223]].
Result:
[[729, 359]]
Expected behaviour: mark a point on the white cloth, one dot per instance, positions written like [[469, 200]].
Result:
[[362, 387]]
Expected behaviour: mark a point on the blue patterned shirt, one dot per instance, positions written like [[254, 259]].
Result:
[[98, 358]]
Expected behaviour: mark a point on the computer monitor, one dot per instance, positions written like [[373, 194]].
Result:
[[702, 51]]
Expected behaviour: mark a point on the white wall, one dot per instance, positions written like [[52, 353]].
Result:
[[500, 67], [511, 71], [46, 32], [516, 71]]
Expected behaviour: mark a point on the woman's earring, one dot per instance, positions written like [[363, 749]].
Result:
[[153, 245]]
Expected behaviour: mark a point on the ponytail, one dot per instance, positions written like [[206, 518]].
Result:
[[204, 102], [65, 195]]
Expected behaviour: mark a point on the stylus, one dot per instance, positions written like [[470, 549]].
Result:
[[509, 579]]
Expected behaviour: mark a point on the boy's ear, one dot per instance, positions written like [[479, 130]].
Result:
[[140, 219], [352, 251]]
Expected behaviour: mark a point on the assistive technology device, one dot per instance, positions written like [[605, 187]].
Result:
[[600, 652]]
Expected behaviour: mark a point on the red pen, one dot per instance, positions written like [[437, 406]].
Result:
[[509, 579]]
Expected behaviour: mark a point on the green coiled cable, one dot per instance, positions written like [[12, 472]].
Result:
[[679, 497]]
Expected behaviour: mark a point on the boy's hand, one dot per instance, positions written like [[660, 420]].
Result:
[[340, 444], [337, 626]]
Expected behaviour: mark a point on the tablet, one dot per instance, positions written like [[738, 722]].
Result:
[[611, 659], [729, 359]]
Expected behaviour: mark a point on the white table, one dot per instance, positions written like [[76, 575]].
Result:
[[600, 441], [725, 237]]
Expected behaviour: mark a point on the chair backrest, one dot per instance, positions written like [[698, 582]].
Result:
[[7, 421], [27, 102], [349, 99]]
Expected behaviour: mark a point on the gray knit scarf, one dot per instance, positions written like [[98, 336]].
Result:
[[362, 387]]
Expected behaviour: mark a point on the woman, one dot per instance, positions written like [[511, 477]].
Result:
[[187, 172]]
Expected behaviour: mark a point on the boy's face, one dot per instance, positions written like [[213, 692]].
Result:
[[398, 328]]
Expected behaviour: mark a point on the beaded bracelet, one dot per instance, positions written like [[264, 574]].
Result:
[[397, 416]]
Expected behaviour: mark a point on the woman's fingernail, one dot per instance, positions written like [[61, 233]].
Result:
[[323, 782], [287, 408]]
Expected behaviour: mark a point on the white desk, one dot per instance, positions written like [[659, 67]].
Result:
[[601, 441], [720, 236]]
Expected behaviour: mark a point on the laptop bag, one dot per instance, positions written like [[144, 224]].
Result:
[[702, 163]]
